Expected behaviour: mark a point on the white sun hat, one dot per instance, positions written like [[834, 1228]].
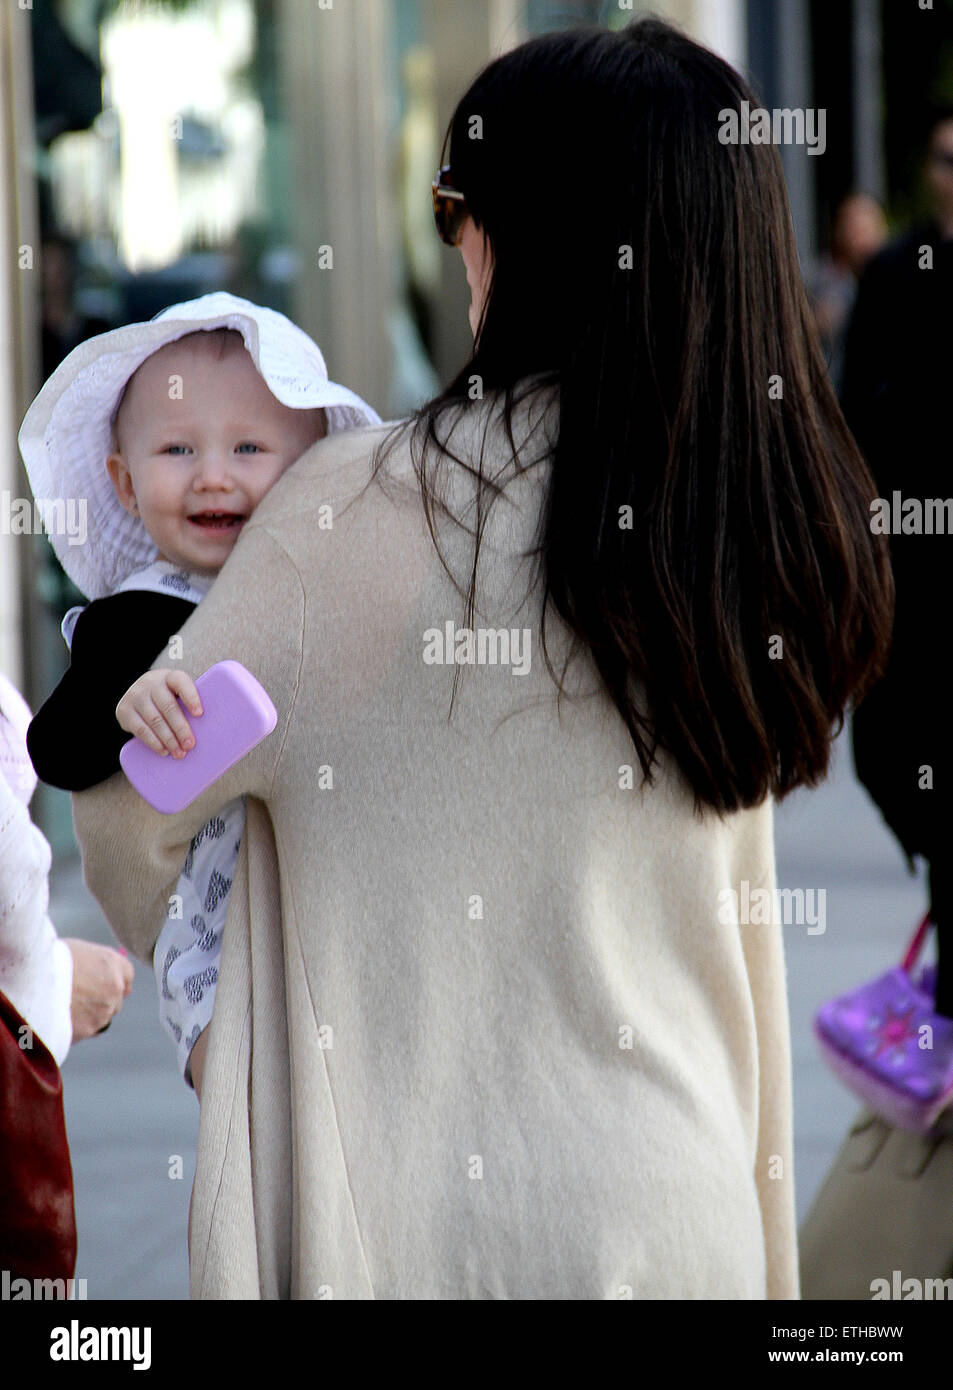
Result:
[[66, 433]]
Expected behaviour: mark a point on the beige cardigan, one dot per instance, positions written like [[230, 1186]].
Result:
[[479, 1031]]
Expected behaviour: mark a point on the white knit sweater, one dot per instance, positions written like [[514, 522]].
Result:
[[36, 967]]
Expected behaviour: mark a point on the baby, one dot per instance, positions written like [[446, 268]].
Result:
[[197, 435]]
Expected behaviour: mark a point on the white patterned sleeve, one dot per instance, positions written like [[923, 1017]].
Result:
[[189, 946], [36, 967]]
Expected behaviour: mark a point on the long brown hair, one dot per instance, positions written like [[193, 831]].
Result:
[[650, 272]]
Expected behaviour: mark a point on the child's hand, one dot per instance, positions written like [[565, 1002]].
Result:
[[149, 709]]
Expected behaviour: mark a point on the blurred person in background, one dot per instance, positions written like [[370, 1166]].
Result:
[[897, 384], [62, 324], [860, 230], [66, 989], [59, 990]]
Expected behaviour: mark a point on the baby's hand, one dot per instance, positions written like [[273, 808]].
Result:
[[149, 709]]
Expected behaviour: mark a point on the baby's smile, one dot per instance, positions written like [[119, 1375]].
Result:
[[218, 522]]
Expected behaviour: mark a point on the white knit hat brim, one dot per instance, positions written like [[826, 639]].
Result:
[[66, 433]]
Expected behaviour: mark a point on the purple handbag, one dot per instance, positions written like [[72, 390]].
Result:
[[888, 1045]]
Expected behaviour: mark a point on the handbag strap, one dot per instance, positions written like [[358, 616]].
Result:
[[916, 945]]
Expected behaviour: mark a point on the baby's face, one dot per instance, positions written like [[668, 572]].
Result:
[[218, 449]]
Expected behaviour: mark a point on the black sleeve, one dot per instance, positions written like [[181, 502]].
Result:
[[868, 349], [74, 740]]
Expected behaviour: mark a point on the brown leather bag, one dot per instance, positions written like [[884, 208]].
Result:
[[885, 1206], [37, 1216]]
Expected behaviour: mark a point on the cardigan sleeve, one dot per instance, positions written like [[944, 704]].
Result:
[[774, 1164], [74, 739], [36, 967], [132, 855]]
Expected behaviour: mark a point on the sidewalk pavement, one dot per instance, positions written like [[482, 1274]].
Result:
[[133, 1123]]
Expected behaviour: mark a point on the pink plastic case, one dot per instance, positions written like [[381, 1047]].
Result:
[[237, 713]]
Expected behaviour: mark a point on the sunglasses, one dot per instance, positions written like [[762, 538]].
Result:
[[449, 208]]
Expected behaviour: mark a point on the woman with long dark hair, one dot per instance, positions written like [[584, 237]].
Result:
[[495, 1018]]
